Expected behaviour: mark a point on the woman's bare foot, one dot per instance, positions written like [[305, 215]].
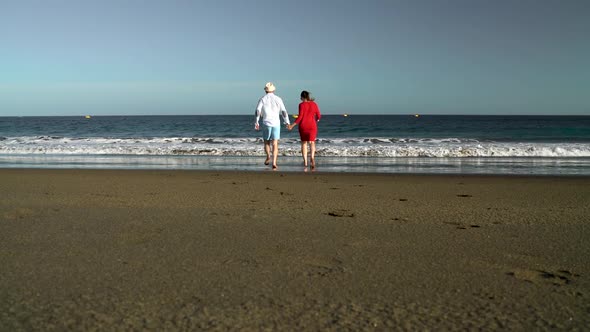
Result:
[[312, 163], [274, 166], [267, 161]]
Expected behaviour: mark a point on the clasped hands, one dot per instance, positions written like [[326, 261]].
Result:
[[289, 127]]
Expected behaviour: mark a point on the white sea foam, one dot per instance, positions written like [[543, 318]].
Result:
[[334, 147]]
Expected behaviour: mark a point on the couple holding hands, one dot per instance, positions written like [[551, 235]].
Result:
[[270, 109]]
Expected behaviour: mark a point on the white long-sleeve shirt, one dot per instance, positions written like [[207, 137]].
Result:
[[271, 108]]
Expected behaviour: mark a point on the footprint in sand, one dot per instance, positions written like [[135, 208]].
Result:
[[340, 213], [399, 219], [243, 262], [559, 278], [323, 267], [460, 225], [464, 195]]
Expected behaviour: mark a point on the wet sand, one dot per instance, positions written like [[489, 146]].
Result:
[[192, 250]]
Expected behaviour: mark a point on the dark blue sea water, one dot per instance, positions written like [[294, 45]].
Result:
[[374, 143], [483, 128]]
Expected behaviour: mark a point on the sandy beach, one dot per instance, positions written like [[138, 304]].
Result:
[[197, 250]]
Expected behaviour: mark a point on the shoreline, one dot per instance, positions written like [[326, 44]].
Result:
[[268, 170], [292, 164], [193, 249]]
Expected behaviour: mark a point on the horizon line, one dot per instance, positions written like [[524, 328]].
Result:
[[323, 114]]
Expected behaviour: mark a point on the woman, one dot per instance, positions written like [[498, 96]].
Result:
[[309, 115]]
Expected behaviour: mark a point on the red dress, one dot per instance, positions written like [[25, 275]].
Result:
[[309, 114]]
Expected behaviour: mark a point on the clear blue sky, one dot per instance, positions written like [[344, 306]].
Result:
[[130, 57]]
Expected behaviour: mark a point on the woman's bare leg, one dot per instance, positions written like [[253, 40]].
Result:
[[304, 152], [312, 146]]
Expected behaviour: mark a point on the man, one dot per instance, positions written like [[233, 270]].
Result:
[[270, 109]]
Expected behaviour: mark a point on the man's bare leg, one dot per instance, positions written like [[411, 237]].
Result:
[[267, 150], [275, 152]]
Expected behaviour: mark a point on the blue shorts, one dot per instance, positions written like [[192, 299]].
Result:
[[270, 133]]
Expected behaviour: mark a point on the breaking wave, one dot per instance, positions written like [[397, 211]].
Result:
[[335, 147]]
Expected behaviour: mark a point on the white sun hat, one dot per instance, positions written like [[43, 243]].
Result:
[[269, 87]]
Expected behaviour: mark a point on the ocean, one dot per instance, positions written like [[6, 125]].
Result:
[[536, 145]]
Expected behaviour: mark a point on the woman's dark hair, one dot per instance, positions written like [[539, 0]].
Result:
[[306, 95]]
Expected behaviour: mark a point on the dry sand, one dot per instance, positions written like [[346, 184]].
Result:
[[189, 250]]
